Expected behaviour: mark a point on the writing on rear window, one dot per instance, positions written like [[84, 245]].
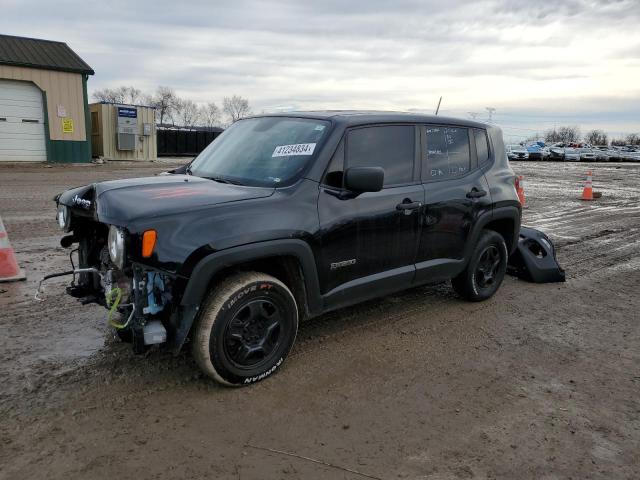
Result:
[[296, 149], [447, 152]]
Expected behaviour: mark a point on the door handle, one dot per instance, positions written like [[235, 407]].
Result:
[[475, 193], [408, 206]]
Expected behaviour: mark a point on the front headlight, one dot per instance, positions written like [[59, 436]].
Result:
[[115, 244], [64, 218]]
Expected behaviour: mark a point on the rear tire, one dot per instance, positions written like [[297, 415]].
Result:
[[246, 329], [486, 269]]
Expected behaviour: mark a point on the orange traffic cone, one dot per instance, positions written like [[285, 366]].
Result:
[[587, 192], [520, 190], [9, 269]]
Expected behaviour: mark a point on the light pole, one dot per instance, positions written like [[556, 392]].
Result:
[[490, 110]]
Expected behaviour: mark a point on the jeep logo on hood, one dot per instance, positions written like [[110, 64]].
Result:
[[81, 202]]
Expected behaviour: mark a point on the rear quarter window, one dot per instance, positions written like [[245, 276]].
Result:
[[482, 146]]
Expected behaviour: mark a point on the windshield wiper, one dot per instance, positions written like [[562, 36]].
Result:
[[224, 180]]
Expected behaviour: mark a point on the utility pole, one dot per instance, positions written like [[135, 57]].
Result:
[[490, 110]]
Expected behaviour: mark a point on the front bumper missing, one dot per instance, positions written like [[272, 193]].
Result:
[[145, 329], [77, 271]]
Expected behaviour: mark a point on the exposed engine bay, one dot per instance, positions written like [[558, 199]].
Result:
[[137, 298]]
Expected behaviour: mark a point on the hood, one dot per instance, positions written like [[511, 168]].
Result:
[[120, 202]]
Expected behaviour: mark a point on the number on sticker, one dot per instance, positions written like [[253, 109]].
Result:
[[297, 149]]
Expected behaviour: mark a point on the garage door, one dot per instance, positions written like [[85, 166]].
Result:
[[21, 123]]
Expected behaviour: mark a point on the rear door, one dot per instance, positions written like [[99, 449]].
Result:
[[456, 194], [369, 242]]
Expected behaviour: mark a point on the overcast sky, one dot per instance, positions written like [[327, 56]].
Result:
[[538, 62]]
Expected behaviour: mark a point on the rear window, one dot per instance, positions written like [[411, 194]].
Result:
[[447, 153]]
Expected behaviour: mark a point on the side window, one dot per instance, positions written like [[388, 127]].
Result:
[[334, 175], [482, 146], [391, 147], [447, 153]]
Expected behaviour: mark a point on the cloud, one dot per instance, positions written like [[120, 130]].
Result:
[[400, 55]]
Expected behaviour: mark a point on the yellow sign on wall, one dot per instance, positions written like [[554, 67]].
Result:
[[67, 125]]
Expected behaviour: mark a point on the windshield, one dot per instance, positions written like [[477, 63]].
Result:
[[263, 151]]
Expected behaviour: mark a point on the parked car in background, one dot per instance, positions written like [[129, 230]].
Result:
[[630, 155], [614, 154], [571, 155], [556, 153], [603, 153], [587, 155], [535, 152], [617, 153], [517, 152]]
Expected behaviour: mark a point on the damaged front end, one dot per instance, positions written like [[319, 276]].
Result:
[[105, 271]]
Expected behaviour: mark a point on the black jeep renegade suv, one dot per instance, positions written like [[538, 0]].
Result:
[[285, 217]]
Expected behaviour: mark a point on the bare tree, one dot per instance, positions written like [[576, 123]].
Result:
[[235, 108], [618, 142], [186, 112], [633, 139], [146, 100], [109, 95], [123, 94], [566, 134], [210, 114], [132, 94], [164, 100], [596, 137]]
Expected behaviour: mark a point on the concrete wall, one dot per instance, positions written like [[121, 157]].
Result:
[[104, 133]]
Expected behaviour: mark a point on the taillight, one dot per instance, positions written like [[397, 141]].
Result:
[[517, 183], [148, 243]]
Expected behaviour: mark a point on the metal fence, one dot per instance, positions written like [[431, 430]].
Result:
[[173, 142]]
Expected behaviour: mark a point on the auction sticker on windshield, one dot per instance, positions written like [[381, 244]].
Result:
[[297, 149]]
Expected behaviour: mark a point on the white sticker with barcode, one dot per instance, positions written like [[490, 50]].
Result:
[[297, 149]]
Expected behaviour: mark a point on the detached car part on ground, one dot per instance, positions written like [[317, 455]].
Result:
[[285, 217]]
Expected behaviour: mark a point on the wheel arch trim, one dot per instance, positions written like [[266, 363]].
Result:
[[204, 271], [499, 213]]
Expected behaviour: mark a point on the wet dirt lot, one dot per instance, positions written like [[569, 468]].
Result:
[[541, 381]]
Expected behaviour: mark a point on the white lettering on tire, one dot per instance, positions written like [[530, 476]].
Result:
[[224, 295]]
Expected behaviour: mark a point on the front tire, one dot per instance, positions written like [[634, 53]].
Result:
[[246, 329], [486, 269]]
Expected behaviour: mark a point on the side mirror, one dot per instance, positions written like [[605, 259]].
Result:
[[364, 179]]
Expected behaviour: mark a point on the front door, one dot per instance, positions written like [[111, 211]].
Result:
[[369, 242]]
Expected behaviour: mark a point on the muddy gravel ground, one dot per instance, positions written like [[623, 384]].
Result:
[[541, 381]]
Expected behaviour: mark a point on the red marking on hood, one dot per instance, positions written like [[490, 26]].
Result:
[[175, 192]]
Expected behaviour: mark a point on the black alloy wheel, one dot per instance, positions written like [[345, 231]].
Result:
[[485, 270], [488, 265], [246, 329], [254, 333]]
